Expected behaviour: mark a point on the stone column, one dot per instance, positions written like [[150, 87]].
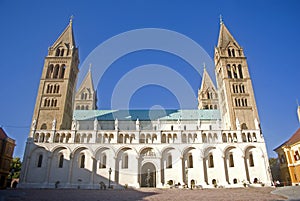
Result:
[[93, 171], [69, 183], [47, 175], [201, 180]]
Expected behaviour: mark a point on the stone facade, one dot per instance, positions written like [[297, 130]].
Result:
[[218, 144]]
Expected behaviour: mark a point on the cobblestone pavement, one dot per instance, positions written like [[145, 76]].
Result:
[[291, 192], [150, 194]]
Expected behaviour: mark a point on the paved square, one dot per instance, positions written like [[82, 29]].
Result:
[[140, 194]]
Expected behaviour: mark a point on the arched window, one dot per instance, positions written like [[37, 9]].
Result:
[[233, 53], [82, 107], [190, 161], [240, 71], [242, 88], [211, 161], [82, 96], [236, 102], [244, 137], [169, 161], [56, 70], [57, 89], [163, 138], [224, 137], [57, 53], [61, 161], [246, 103], [244, 126], [40, 161], [172, 127], [251, 161], [233, 88], [48, 88], [82, 161], [231, 162], [62, 52], [103, 161], [215, 107], [229, 71], [184, 127], [78, 107], [86, 107], [62, 71], [125, 161], [44, 126], [234, 71], [229, 52]]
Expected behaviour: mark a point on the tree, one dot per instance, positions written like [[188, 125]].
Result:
[[275, 169], [15, 168]]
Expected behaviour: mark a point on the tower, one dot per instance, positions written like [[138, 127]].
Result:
[[85, 98], [236, 96], [207, 94], [54, 102]]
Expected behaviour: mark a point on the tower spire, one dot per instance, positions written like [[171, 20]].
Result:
[[225, 36], [221, 19]]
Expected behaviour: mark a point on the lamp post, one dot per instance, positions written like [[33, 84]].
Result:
[[109, 171]]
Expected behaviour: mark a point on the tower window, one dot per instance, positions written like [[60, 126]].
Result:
[[62, 52], [57, 53], [233, 53], [240, 71], [56, 70], [49, 71], [234, 71], [229, 71], [62, 71], [229, 52]]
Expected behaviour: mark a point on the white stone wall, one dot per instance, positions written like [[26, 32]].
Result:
[[145, 149]]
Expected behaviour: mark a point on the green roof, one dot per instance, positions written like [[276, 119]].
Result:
[[146, 115]]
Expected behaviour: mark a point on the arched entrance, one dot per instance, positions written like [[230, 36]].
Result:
[[148, 175]]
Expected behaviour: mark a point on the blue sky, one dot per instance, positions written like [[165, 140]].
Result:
[[267, 30]]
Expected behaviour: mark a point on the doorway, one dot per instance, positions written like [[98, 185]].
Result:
[[148, 175]]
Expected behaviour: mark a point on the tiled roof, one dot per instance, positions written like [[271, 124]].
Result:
[[145, 115], [295, 138]]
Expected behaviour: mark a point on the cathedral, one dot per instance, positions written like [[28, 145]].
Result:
[[71, 144]]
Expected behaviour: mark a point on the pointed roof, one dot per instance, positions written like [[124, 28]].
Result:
[[225, 36], [87, 82], [206, 81], [67, 36]]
